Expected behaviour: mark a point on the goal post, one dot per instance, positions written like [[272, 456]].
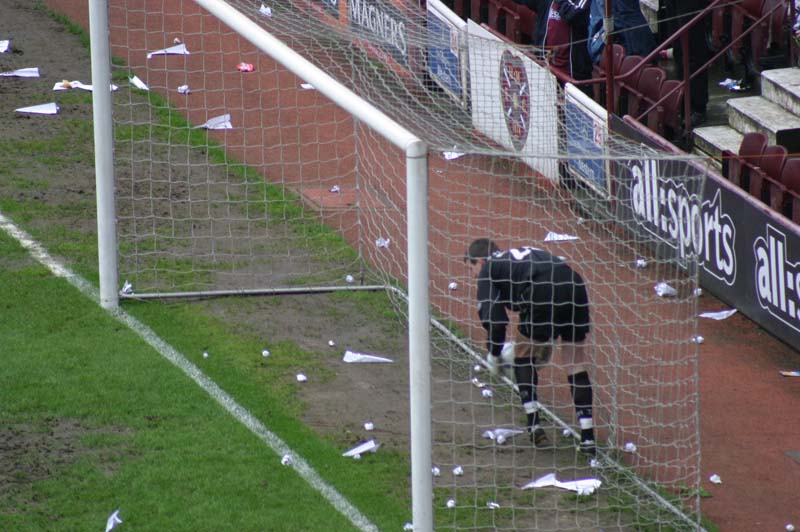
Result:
[[416, 153], [104, 154], [305, 146]]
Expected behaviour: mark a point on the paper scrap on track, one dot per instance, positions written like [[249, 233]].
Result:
[[178, 49]]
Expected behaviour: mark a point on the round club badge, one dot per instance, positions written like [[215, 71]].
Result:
[[516, 98]]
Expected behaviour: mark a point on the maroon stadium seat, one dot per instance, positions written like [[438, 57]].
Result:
[[504, 19], [791, 180], [647, 91], [672, 106], [736, 167], [598, 71], [527, 23], [765, 182], [772, 161], [630, 63]]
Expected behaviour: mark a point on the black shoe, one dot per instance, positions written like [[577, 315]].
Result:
[[539, 437]]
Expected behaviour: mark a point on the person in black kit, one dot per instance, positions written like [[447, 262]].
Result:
[[680, 12], [552, 302], [562, 27]]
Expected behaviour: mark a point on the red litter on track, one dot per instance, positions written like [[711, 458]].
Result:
[[245, 67]]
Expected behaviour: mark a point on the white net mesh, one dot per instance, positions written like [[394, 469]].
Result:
[[283, 189]]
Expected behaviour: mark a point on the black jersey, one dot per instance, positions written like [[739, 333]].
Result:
[[507, 281]]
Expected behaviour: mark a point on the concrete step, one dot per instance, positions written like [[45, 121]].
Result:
[[756, 113], [712, 140], [782, 86]]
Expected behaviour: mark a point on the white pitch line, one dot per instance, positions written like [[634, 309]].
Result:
[[193, 372]]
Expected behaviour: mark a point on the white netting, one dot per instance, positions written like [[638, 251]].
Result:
[[293, 192]]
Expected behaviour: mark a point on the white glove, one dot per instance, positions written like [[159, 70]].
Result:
[[508, 353], [499, 366], [493, 363]]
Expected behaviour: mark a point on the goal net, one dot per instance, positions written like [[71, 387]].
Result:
[[233, 175]]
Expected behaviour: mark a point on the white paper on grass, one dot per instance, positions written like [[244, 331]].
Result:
[[265, 10], [113, 521], [352, 356], [62, 86], [721, 315], [41, 109], [369, 446], [585, 486], [218, 122], [178, 49], [5, 45], [139, 84], [558, 237], [499, 433], [32, 72]]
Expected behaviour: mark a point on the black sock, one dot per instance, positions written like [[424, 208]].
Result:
[[527, 380], [581, 389]]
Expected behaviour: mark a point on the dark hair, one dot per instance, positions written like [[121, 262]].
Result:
[[480, 249]]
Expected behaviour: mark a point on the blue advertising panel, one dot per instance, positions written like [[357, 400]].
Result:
[[444, 62], [585, 129]]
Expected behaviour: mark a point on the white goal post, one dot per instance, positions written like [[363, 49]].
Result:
[[416, 153]]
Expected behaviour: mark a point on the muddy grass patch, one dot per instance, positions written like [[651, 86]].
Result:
[[37, 451]]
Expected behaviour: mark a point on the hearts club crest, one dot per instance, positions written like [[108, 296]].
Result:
[[516, 98]]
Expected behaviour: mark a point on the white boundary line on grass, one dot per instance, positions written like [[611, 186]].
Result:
[[241, 414]]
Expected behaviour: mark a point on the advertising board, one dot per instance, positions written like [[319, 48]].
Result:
[[749, 256]]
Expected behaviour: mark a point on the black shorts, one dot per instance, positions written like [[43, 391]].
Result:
[[558, 307]]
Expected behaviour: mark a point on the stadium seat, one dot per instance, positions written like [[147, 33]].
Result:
[[527, 23], [765, 181], [598, 71], [736, 167], [766, 188], [772, 161], [791, 180], [504, 19], [672, 107], [630, 63], [647, 91]]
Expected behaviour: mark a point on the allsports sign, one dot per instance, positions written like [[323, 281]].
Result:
[[695, 227], [777, 278], [749, 255]]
